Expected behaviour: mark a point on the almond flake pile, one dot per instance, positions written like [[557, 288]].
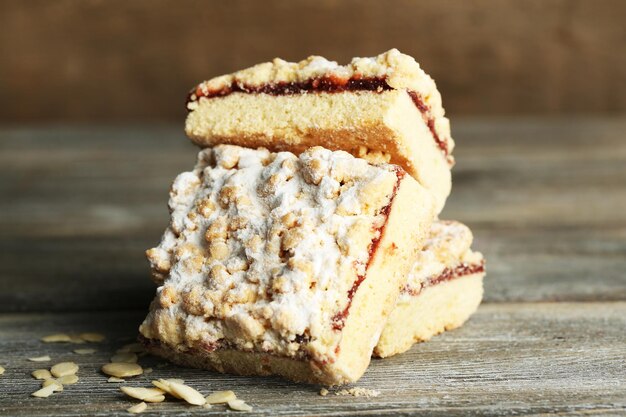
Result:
[[65, 374], [179, 390], [124, 364]]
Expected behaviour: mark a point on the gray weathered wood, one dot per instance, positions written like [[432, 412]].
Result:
[[544, 197], [524, 358]]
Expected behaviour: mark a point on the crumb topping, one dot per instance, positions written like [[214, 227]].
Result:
[[263, 248], [447, 248]]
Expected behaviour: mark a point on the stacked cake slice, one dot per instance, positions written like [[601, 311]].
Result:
[[305, 239], [443, 289]]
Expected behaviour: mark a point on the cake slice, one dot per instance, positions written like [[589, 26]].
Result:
[[277, 264], [444, 288], [383, 109]]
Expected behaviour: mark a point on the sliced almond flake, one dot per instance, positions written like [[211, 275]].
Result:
[[56, 338], [122, 369], [323, 392], [179, 381], [137, 408], [155, 399], [64, 368], [239, 405], [44, 392], [40, 359], [41, 374], [131, 348], [125, 357], [2, 370], [85, 351], [115, 379], [92, 337], [207, 405], [220, 397], [58, 387], [187, 393], [68, 379], [165, 386], [76, 339], [141, 393]]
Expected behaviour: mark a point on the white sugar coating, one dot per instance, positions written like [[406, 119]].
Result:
[[264, 247], [447, 246]]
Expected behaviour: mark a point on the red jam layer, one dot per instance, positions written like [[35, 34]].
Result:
[[326, 84], [448, 274], [339, 319]]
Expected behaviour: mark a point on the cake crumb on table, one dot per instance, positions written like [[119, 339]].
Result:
[[358, 392], [45, 358]]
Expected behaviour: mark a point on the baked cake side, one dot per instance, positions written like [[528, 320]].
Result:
[[281, 264], [383, 109], [444, 289]]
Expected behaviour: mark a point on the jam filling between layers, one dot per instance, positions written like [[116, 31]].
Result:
[[326, 84], [447, 274], [339, 319]]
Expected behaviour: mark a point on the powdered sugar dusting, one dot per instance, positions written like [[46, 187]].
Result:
[[447, 246], [263, 248]]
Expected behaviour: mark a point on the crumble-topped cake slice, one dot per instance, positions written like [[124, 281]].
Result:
[[383, 109], [444, 288], [281, 264]]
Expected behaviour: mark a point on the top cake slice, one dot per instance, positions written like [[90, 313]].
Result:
[[281, 264], [383, 109]]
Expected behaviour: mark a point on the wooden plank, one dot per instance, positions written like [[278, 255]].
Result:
[[80, 205], [120, 60], [542, 198], [543, 173], [508, 359]]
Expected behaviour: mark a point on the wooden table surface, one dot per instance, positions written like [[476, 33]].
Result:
[[546, 199]]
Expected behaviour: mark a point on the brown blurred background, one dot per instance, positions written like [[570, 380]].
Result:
[[121, 60]]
